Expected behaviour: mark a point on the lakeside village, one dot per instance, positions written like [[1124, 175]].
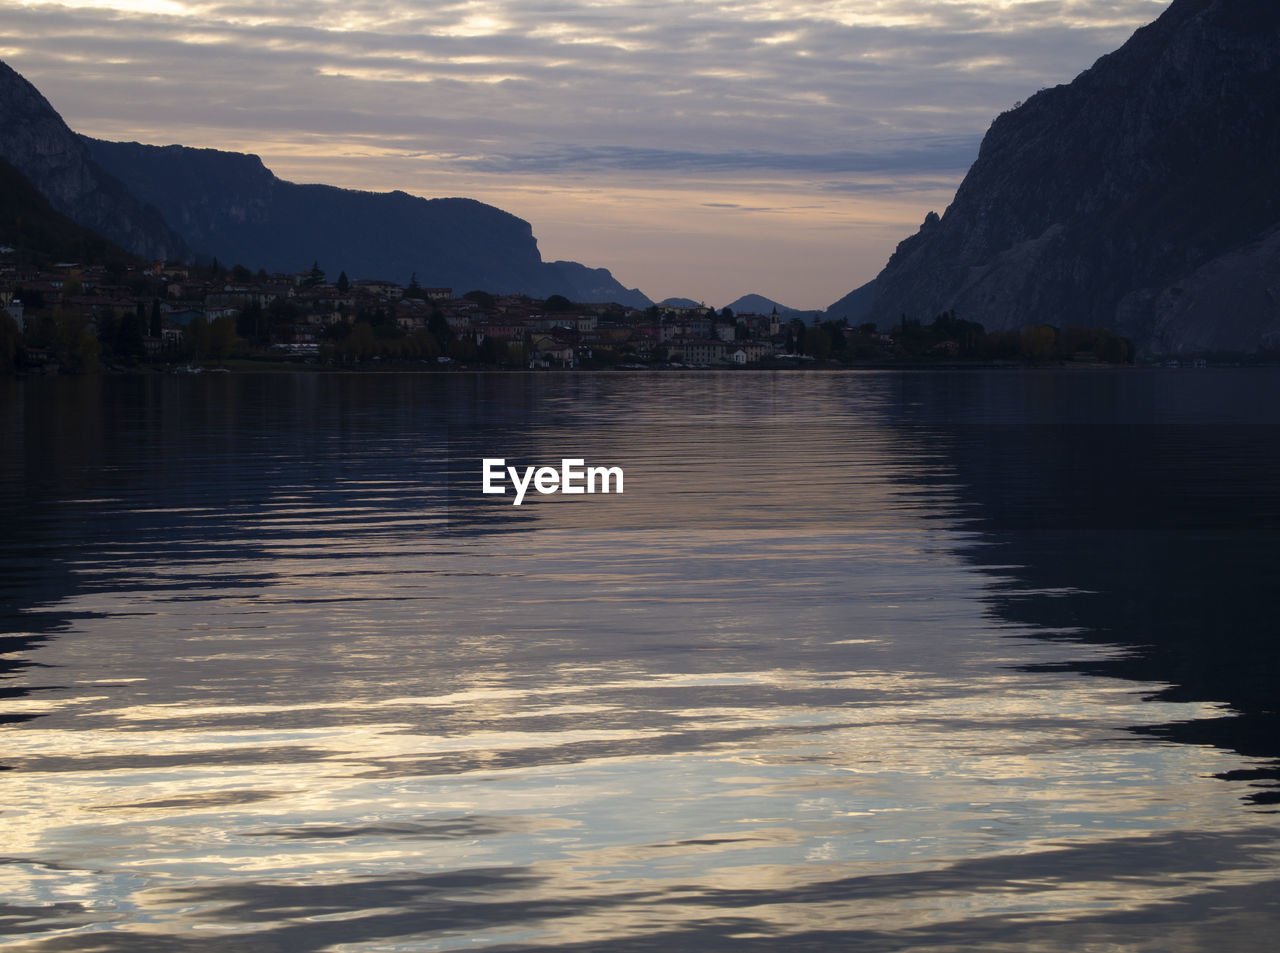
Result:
[[69, 318]]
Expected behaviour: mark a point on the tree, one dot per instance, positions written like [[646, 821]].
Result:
[[107, 326], [362, 343], [32, 298], [84, 358], [462, 349], [817, 342], [1039, 343], [414, 290], [1002, 345], [425, 345], [482, 298], [128, 341], [558, 303], [281, 317], [249, 322], [195, 338], [440, 329], [9, 338], [222, 336], [835, 334], [156, 324], [1113, 349], [344, 283]]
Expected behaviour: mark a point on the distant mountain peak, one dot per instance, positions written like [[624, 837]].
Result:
[[758, 304]]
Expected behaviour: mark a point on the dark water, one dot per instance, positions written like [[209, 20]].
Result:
[[972, 661]]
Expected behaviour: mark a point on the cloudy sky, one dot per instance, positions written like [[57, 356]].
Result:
[[699, 148]]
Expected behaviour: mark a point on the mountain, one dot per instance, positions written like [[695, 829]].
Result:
[[39, 233], [679, 303], [230, 205], [39, 145], [592, 285], [1144, 196], [853, 307], [759, 304]]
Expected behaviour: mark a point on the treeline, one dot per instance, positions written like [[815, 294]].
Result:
[[77, 342], [80, 343], [949, 337]]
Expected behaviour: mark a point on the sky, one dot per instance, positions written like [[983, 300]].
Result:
[[697, 148]]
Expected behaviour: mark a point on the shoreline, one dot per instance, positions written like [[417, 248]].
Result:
[[243, 367]]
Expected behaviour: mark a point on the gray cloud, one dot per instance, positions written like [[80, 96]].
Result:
[[857, 101], [938, 155], [814, 74]]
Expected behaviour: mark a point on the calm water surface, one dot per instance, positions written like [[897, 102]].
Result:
[[874, 661]]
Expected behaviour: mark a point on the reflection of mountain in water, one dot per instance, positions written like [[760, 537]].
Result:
[[1136, 510], [106, 478], [1130, 509]]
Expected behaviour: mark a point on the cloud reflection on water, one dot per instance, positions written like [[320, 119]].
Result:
[[771, 710]]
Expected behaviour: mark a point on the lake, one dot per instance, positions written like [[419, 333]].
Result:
[[885, 661]]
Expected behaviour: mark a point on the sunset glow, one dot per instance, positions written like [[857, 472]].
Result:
[[704, 149]]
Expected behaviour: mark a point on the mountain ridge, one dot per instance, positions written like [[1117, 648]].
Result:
[[230, 204], [176, 203], [1119, 200]]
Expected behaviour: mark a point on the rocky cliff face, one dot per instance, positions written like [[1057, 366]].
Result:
[[39, 234], [35, 140], [230, 205], [1144, 197]]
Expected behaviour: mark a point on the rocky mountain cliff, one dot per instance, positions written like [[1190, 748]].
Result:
[[1144, 197], [231, 205], [39, 234], [35, 140]]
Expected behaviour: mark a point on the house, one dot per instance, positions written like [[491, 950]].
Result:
[[748, 352], [700, 350], [379, 289], [501, 330], [551, 350]]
